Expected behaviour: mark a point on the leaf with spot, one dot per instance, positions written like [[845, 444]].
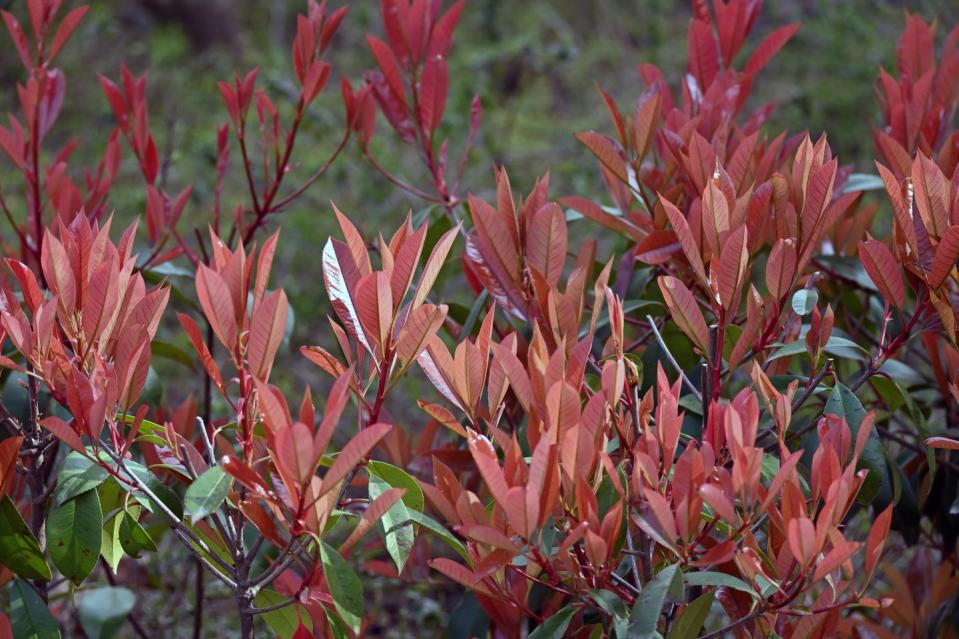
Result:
[[73, 535]]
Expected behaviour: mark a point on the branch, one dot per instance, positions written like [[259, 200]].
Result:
[[672, 360]]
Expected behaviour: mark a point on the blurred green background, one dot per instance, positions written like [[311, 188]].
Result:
[[535, 65]]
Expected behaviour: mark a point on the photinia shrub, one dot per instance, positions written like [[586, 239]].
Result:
[[714, 416]]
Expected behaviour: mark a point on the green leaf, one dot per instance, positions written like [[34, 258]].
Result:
[[474, 313], [78, 475], [437, 529], [29, 616], [394, 526], [19, 550], [804, 300], [112, 500], [645, 615], [845, 348], [616, 608], [282, 621], [157, 487], [207, 492], [554, 627], [133, 537], [345, 586], [788, 350], [844, 403], [399, 478], [691, 621], [73, 535], [719, 579], [103, 611]]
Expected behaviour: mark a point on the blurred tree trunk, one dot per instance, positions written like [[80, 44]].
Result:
[[205, 23]]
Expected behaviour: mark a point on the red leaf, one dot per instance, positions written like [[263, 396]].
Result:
[[596, 213], [942, 442], [877, 540], [946, 255], [371, 516], [267, 326], [388, 65], [703, 54], [606, 152], [658, 247], [546, 242], [420, 327], [433, 265], [64, 432], [217, 304], [732, 269], [295, 455], [781, 267], [199, 345], [338, 289], [458, 573], [434, 83], [352, 454], [768, 48], [374, 305], [404, 265], [9, 449], [686, 240], [685, 311], [66, 29], [883, 270]]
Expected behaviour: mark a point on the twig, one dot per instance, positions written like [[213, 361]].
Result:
[[672, 360]]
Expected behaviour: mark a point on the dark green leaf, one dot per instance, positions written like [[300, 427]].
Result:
[[158, 488], [691, 621], [282, 621], [345, 586], [844, 403], [437, 529], [711, 578], [19, 550], [103, 611], [29, 616], [207, 492], [74, 537], [78, 475], [645, 614], [399, 478], [134, 539], [554, 627]]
